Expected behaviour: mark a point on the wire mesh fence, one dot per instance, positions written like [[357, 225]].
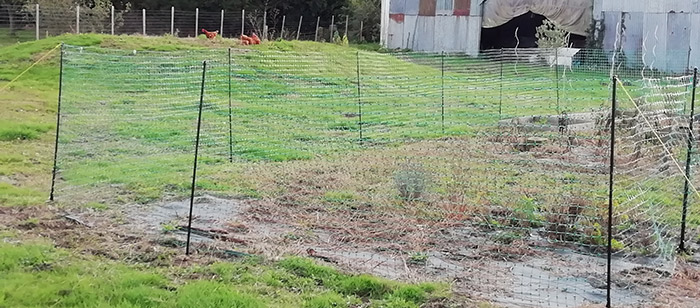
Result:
[[21, 23], [491, 172]]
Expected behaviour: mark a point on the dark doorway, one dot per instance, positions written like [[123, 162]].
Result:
[[503, 36]]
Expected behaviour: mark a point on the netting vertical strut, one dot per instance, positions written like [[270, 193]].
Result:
[[58, 125], [500, 100], [442, 78], [359, 96], [610, 190], [230, 111], [196, 156], [689, 154], [556, 72]]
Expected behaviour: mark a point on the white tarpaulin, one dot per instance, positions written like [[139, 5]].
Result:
[[574, 16]]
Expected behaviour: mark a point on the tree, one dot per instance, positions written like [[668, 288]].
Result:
[[550, 36], [366, 12]]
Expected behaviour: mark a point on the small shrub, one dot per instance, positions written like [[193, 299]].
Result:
[[418, 259], [411, 181]]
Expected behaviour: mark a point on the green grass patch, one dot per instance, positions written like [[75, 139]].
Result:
[[11, 195], [11, 131], [37, 275]]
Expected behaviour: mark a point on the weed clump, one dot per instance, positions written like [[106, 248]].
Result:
[[411, 181]]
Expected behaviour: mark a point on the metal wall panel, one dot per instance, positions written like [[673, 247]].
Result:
[[654, 6], [695, 40], [476, 8], [409, 31], [655, 25], [612, 27], [425, 33], [396, 34], [633, 36], [462, 25], [473, 35], [677, 5], [678, 41], [411, 7], [397, 7], [695, 6], [445, 32]]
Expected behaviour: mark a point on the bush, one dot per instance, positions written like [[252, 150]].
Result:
[[411, 181]]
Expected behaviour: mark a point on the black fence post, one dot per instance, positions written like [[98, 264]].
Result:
[[58, 126], [500, 100], [230, 111], [196, 156], [688, 157], [610, 188], [442, 103], [359, 95]]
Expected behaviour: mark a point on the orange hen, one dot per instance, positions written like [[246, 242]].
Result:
[[210, 35]]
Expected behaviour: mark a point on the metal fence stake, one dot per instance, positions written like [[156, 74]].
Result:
[[230, 110], [36, 21], [58, 125], [143, 20], [196, 156], [172, 20], [347, 20], [77, 19], [331, 27], [688, 158], [611, 185], [242, 22], [221, 26], [112, 20], [196, 22]]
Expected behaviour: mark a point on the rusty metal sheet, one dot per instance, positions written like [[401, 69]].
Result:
[[462, 7], [427, 7], [678, 41], [423, 39], [397, 7]]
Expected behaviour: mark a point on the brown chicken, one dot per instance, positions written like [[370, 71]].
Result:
[[210, 35]]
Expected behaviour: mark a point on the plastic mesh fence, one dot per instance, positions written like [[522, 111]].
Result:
[[489, 172]]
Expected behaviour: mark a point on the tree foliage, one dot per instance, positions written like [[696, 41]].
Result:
[[550, 36]]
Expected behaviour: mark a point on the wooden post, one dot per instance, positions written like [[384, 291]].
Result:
[[172, 20], [284, 18], [112, 20], [36, 21], [318, 22], [196, 22], [77, 19], [299, 28], [264, 26], [143, 21], [362, 23], [331, 28], [347, 19], [221, 27], [243, 22]]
